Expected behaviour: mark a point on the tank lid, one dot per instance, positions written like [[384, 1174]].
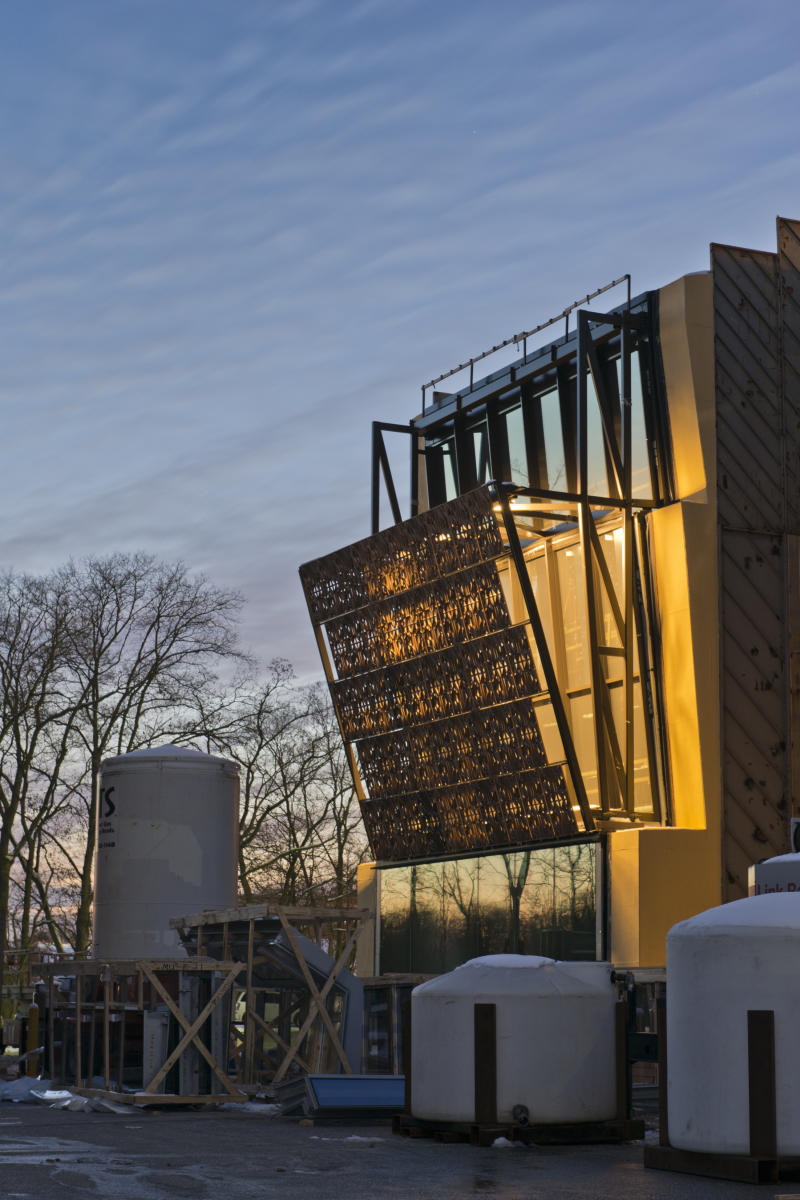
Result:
[[185, 755], [781, 858], [505, 961], [498, 975], [773, 910]]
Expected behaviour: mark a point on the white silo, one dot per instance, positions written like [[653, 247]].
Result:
[[555, 1040], [720, 964], [167, 845]]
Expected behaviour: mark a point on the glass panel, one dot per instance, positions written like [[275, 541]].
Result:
[[551, 738], [395, 935], [517, 453], [553, 441], [461, 909], [582, 725], [449, 469], [425, 903], [536, 901], [641, 485], [441, 469], [575, 872], [480, 447], [642, 787], [598, 479], [494, 906], [611, 545], [573, 604]]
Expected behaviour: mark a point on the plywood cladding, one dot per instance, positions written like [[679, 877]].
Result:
[[757, 361]]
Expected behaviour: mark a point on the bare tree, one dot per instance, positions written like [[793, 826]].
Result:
[[35, 702], [101, 657], [300, 830]]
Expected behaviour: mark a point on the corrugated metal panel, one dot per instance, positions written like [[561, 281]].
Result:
[[757, 370]]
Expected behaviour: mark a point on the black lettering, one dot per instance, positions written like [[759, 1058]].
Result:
[[105, 797]]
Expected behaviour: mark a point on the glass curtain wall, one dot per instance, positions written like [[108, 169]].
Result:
[[434, 916]]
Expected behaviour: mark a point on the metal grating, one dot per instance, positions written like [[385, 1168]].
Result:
[[757, 361], [434, 687]]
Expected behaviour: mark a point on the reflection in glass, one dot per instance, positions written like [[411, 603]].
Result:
[[517, 452], [573, 604], [537, 901], [641, 485], [480, 449], [553, 441], [598, 481]]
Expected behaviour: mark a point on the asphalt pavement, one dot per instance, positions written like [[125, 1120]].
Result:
[[48, 1154]]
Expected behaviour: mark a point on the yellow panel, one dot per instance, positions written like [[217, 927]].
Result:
[[687, 351], [367, 883], [685, 560], [658, 877]]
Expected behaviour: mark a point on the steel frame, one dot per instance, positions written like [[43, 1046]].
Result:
[[570, 369]]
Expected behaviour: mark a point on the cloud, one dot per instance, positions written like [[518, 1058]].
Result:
[[234, 235]]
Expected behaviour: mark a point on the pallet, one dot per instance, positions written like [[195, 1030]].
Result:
[[575, 1134], [743, 1168], [143, 1099]]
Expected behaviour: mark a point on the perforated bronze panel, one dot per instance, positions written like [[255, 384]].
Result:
[[489, 670], [434, 687], [437, 543], [518, 810]]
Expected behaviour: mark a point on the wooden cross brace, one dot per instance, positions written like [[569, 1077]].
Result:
[[317, 998], [192, 1030]]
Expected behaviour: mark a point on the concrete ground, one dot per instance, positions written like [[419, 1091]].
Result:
[[223, 1155]]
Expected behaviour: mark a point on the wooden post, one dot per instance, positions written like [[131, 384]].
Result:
[[405, 1034], [663, 1110], [248, 1053], [92, 1031], [621, 1058], [107, 1028], [761, 1078], [485, 1064], [121, 1060], [51, 1030], [78, 1015]]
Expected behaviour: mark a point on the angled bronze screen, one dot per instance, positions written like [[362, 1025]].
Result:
[[435, 688]]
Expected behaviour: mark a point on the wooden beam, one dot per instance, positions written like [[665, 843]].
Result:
[[310, 1017], [191, 1035], [315, 995]]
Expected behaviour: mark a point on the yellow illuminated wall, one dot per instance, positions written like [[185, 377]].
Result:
[[659, 876]]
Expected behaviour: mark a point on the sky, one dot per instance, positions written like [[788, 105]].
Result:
[[232, 235]]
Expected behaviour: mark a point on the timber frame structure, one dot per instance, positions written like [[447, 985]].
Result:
[[309, 1018], [210, 1007], [107, 995]]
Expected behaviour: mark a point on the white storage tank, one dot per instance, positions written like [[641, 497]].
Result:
[[720, 964], [167, 846], [779, 874], [555, 1040]]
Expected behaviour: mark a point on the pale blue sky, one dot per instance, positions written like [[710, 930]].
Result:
[[232, 234]]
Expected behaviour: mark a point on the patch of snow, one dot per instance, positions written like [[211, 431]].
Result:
[[529, 961], [251, 1106], [23, 1090], [773, 910]]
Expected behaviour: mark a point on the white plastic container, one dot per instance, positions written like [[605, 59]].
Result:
[[779, 874], [743, 955], [167, 846], [555, 1040]]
